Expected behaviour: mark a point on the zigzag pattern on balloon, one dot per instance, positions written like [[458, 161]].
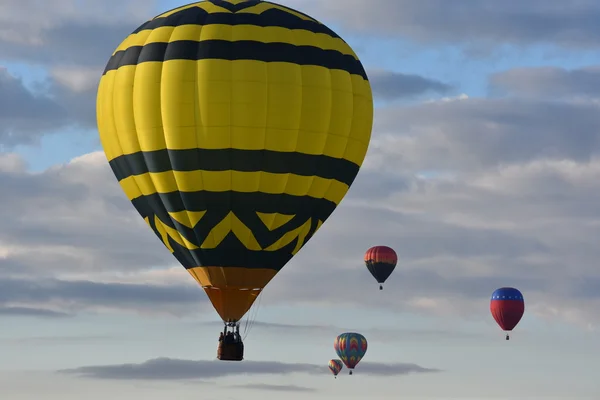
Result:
[[350, 348], [210, 237], [335, 366]]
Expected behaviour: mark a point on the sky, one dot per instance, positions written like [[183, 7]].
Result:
[[483, 171]]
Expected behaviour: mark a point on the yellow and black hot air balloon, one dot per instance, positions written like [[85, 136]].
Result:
[[235, 127]]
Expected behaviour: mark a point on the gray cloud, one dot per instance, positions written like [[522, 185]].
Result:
[[71, 228], [75, 90], [86, 32], [176, 369], [483, 133], [552, 229], [69, 32], [513, 204], [444, 287], [73, 43], [72, 40], [76, 218], [488, 21], [549, 82], [24, 115], [78, 295], [54, 340], [473, 194], [389, 85], [382, 369], [276, 388], [117, 292], [509, 210], [30, 312]]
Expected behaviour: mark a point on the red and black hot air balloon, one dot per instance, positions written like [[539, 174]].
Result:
[[507, 306], [381, 261]]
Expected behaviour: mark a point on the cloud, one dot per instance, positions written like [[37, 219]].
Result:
[[478, 133], [85, 32], [276, 388], [78, 295], [382, 369], [68, 32], [74, 88], [474, 193], [531, 226], [66, 99], [507, 212], [74, 220], [61, 340], [30, 312], [486, 21], [553, 252], [389, 85], [549, 82], [71, 229], [71, 42], [176, 369], [24, 116]]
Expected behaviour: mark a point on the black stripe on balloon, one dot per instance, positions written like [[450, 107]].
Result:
[[234, 159], [238, 50], [161, 203], [380, 271], [272, 17]]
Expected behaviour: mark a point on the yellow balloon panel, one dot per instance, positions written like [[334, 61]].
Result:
[[235, 128]]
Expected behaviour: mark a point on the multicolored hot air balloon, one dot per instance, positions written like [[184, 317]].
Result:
[[381, 261], [335, 366], [507, 306], [350, 348], [235, 127]]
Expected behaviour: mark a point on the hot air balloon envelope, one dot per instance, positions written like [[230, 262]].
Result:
[[350, 347], [507, 307], [335, 366], [381, 261], [235, 128]]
